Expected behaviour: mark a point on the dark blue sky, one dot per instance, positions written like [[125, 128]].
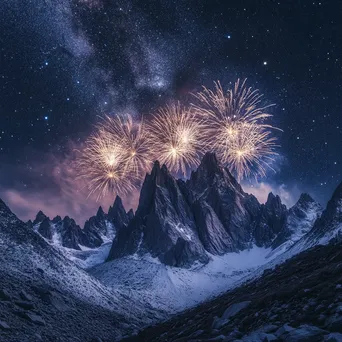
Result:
[[63, 65]]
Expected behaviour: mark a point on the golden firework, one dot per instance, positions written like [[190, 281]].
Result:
[[102, 166], [251, 152], [115, 157], [130, 135], [237, 128], [175, 137]]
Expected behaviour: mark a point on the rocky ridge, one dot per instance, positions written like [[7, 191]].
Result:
[[97, 229], [183, 222], [40, 288]]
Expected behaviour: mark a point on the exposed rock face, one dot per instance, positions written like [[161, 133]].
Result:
[[117, 214], [67, 233], [271, 221], [163, 224], [98, 229], [181, 222], [234, 208], [300, 220], [70, 233], [97, 224], [39, 217], [45, 228], [329, 225], [211, 232], [130, 214]]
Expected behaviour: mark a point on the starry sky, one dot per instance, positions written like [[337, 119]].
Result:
[[65, 63]]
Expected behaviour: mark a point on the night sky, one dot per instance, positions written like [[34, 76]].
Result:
[[66, 63]]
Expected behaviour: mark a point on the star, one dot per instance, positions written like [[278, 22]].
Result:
[[265, 63], [46, 117]]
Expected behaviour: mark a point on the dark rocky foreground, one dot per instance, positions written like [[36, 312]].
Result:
[[300, 300], [46, 297], [30, 313]]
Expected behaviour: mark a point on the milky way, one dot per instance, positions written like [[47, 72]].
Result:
[[65, 63]]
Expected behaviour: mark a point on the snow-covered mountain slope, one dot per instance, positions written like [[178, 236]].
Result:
[[326, 228], [86, 257], [57, 288], [88, 246], [299, 221], [297, 301], [173, 288]]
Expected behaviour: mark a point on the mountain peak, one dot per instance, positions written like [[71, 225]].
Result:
[[117, 202], [56, 219], [209, 165], [117, 207], [211, 171], [337, 193], [159, 174], [117, 214], [40, 217], [305, 197], [100, 213], [210, 159], [4, 209], [273, 200]]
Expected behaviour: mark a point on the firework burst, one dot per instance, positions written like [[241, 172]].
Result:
[[233, 124], [250, 152], [237, 128], [175, 136], [115, 158], [131, 136], [102, 166]]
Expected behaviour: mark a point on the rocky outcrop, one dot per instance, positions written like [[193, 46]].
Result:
[[271, 221], [235, 209], [39, 217], [97, 224], [208, 214], [300, 220], [163, 224], [130, 214], [97, 229], [183, 222], [211, 232], [327, 226], [45, 228], [67, 233], [117, 214]]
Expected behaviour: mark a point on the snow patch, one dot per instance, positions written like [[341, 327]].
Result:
[[174, 289]]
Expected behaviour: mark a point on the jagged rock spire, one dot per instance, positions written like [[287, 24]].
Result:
[[117, 214]]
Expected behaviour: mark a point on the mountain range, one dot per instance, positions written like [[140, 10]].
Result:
[[189, 240]]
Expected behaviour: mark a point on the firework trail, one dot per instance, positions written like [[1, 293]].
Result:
[[175, 136], [131, 136], [233, 124], [103, 167], [115, 157], [237, 129], [251, 152]]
